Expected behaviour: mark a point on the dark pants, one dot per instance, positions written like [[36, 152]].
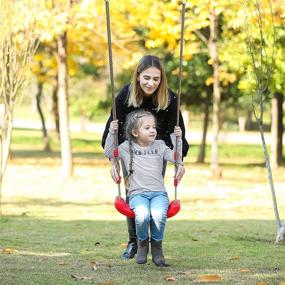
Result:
[[131, 225]]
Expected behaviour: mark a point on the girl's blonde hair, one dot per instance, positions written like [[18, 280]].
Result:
[[160, 97], [133, 122]]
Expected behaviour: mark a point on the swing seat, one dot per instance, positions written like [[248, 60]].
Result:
[[173, 208], [123, 207]]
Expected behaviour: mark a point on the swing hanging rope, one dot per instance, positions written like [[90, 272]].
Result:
[[114, 114], [120, 203], [179, 91]]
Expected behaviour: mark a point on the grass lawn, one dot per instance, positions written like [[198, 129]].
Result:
[[59, 232], [28, 143], [64, 252]]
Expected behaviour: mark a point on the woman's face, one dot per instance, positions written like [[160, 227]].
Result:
[[149, 80]]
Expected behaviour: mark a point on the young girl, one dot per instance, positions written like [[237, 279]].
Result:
[[143, 158]]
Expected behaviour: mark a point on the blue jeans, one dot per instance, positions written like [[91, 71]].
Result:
[[150, 212]]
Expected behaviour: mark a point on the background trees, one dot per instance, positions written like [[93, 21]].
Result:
[[215, 63]]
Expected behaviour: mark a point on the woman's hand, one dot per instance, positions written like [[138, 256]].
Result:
[[114, 126], [180, 172], [177, 131]]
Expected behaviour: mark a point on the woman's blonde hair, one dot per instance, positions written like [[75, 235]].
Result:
[[160, 97]]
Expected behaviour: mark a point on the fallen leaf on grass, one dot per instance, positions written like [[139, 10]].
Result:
[[123, 245], [185, 273], [234, 258], [209, 278], [8, 250], [82, 277], [107, 283], [44, 255], [244, 270], [169, 278], [262, 283], [94, 265], [281, 283]]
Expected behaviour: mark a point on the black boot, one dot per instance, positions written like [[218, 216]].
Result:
[[143, 246], [157, 253], [132, 247], [130, 251]]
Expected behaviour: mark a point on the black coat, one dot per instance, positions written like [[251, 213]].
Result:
[[166, 119]]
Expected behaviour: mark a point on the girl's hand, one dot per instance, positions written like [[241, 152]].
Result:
[[115, 170], [177, 131], [180, 172], [114, 126]]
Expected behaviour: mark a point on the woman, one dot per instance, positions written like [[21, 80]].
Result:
[[148, 90]]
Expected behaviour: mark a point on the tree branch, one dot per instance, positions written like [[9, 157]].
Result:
[[201, 37]]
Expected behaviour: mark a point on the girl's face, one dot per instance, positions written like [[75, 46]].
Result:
[[149, 80], [146, 133]]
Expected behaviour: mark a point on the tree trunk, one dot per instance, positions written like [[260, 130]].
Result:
[[213, 51], [53, 52], [6, 133], [66, 153], [202, 151], [5, 140], [44, 129], [55, 106], [276, 129]]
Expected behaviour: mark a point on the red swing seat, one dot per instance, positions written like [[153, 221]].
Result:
[[123, 207], [173, 208]]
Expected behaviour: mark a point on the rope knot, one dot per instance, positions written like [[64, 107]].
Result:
[[116, 152]]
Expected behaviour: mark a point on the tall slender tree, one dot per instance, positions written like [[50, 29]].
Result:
[[213, 51], [62, 54], [18, 43], [261, 49]]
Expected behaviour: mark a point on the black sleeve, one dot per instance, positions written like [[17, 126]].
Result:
[[121, 105], [105, 133], [172, 118], [185, 145]]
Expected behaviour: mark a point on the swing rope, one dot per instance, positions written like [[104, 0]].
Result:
[[175, 203], [114, 113], [176, 154]]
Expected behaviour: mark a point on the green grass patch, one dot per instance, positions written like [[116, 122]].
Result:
[[63, 252], [232, 153], [29, 112], [29, 143]]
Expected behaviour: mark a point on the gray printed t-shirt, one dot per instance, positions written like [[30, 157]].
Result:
[[147, 162]]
